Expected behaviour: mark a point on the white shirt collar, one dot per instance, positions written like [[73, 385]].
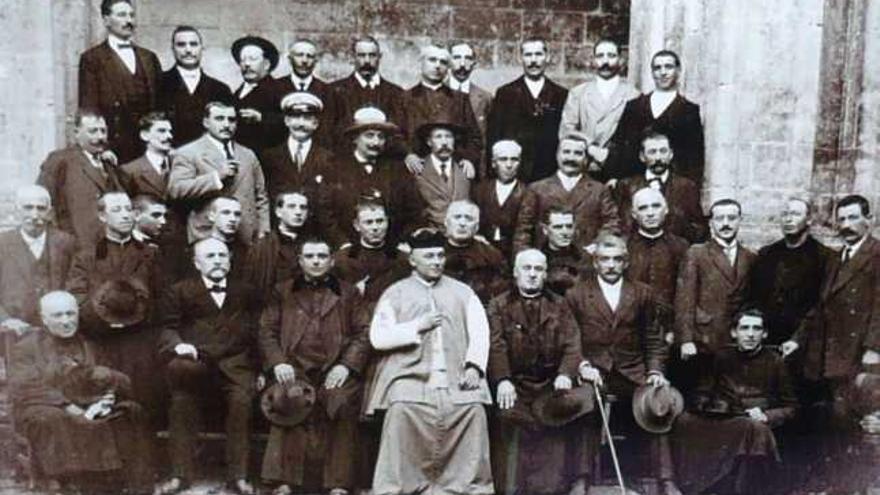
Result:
[[283, 230], [191, 77], [437, 162], [568, 183], [646, 235], [140, 236], [156, 160], [535, 87], [93, 160], [855, 247], [209, 283], [373, 83], [503, 191], [305, 146], [607, 87], [660, 101], [432, 87], [222, 146], [723, 244], [114, 41], [611, 291], [463, 86], [35, 244], [651, 175], [304, 82]]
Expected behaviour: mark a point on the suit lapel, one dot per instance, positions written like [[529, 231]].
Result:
[[92, 172], [434, 180], [627, 299], [848, 270], [716, 253], [151, 177], [597, 299]]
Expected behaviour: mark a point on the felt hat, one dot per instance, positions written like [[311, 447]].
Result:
[[269, 49], [560, 407], [300, 102], [121, 302], [444, 121], [655, 408], [288, 405], [366, 118]]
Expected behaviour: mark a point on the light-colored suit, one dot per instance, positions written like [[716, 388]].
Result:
[[194, 180], [587, 111], [437, 193]]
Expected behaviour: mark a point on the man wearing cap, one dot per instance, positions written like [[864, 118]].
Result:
[[274, 258], [208, 345], [534, 355], [314, 330], [36, 258], [445, 178], [115, 283], [216, 165], [367, 166], [261, 124], [566, 261], [569, 188], [119, 79], [433, 336], [78, 417], [471, 260], [302, 53], [623, 348], [751, 397], [500, 199], [430, 101], [185, 88], [300, 162], [78, 175]]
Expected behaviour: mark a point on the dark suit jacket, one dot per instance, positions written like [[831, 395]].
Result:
[[139, 177], [629, 340], [350, 96], [656, 262], [685, 218], [19, 292], [708, 293], [533, 123], [283, 176], [480, 266], [187, 110], [593, 206], [75, 186], [271, 260], [106, 84], [270, 130], [680, 122], [498, 222], [424, 106], [846, 322], [328, 117]]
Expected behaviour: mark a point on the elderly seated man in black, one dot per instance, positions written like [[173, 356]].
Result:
[[542, 439], [82, 427], [726, 443]]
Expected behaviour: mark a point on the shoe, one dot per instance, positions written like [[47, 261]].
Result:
[[669, 488], [338, 491], [241, 487], [173, 485], [282, 490]]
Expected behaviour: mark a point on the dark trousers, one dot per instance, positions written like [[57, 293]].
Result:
[[204, 385]]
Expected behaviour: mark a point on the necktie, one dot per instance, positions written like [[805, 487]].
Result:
[[847, 253], [297, 156], [228, 149], [217, 289], [164, 168], [728, 251], [124, 45], [655, 184], [444, 172]]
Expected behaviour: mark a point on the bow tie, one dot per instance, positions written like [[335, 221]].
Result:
[[124, 45], [217, 289]]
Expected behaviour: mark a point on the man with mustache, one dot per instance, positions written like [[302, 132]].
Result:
[[431, 101], [685, 215], [119, 79], [669, 113], [35, 260], [594, 107], [469, 259], [302, 53], [445, 178], [185, 88], [710, 290], [216, 165], [500, 199], [528, 111], [462, 63], [566, 261], [273, 258], [76, 176], [149, 173], [365, 87], [570, 189], [257, 100]]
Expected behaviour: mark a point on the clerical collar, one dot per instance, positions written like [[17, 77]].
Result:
[[115, 42], [373, 83], [648, 235], [457, 244], [286, 232], [432, 87], [120, 242], [371, 247], [139, 236], [801, 236], [328, 281], [752, 352], [525, 295]]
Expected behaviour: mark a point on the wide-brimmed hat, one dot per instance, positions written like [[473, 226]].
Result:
[[560, 407], [866, 392], [121, 302], [300, 102], [288, 405], [370, 118], [269, 49], [655, 408]]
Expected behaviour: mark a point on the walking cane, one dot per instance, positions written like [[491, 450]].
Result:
[[610, 439]]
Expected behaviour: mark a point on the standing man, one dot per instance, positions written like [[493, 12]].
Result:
[[208, 345], [670, 114], [470, 260], [149, 173], [313, 331], [444, 178], [570, 189], [433, 336], [185, 89], [78, 175], [35, 260], [273, 258], [302, 54], [500, 199], [528, 111], [216, 165], [685, 215], [257, 100], [119, 79], [463, 60], [594, 107], [365, 87], [710, 290]]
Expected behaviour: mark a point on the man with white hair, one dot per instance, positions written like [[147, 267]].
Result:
[[469, 259], [500, 199], [431, 101], [35, 259], [534, 354]]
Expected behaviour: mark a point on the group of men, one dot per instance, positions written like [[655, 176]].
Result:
[[426, 290]]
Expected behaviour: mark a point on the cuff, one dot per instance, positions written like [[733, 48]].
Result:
[[476, 367]]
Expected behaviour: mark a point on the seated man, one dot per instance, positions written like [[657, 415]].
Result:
[[566, 261], [726, 444], [208, 344], [313, 331], [470, 259], [534, 354], [77, 417]]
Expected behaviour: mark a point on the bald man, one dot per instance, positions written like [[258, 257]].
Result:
[[499, 199], [35, 259]]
